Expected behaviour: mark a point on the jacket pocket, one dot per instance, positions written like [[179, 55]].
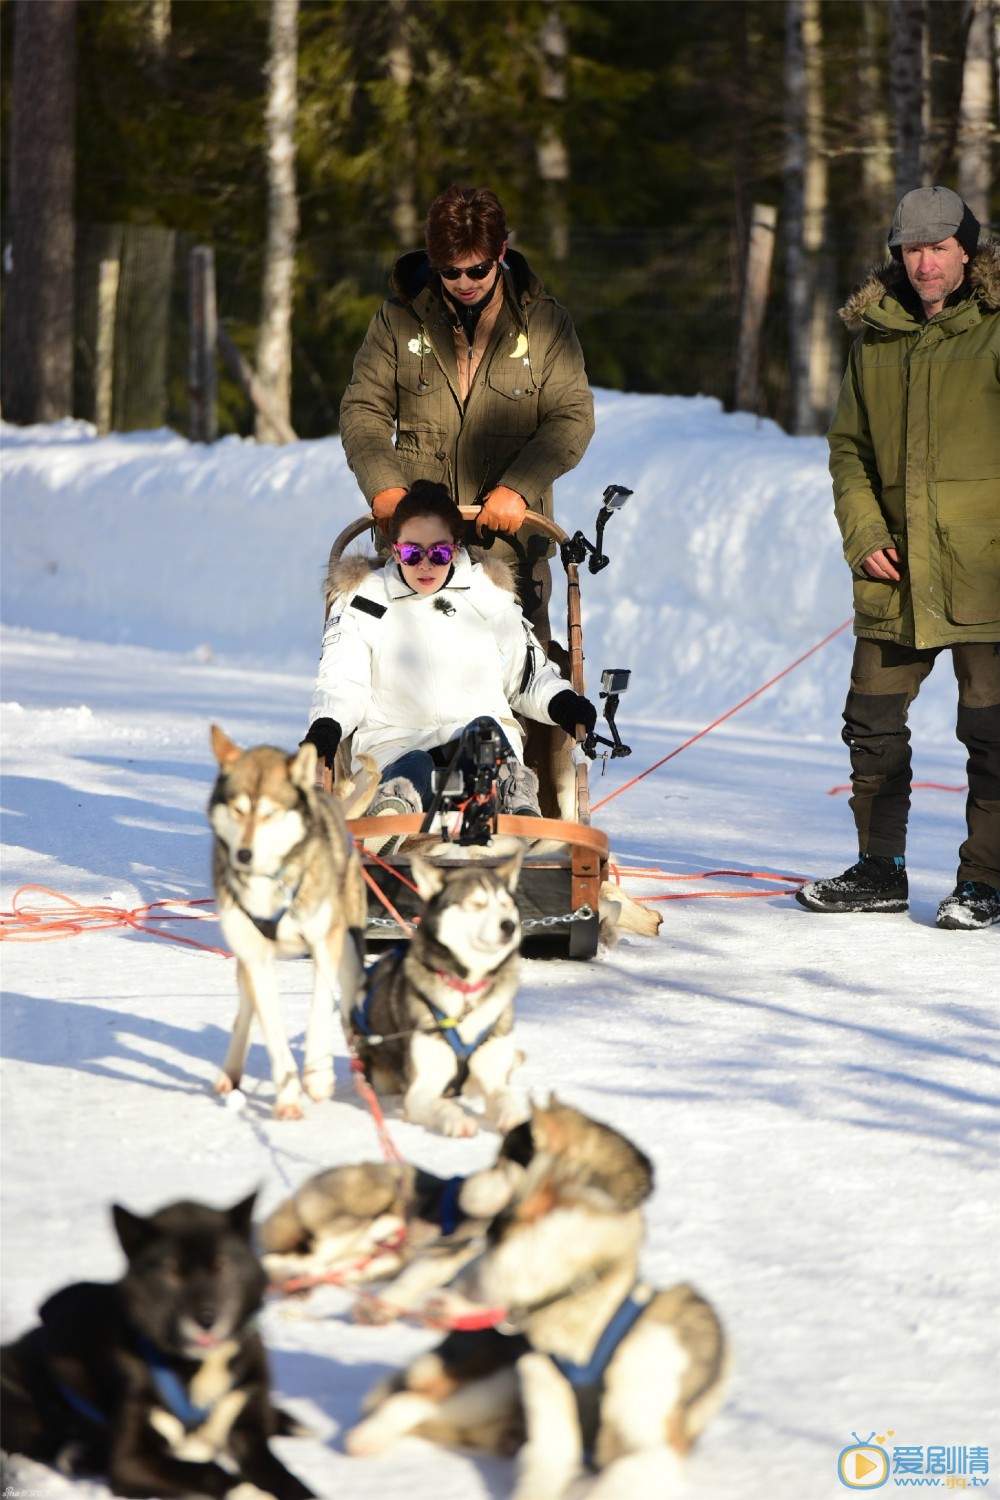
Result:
[[970, 571], [876, 600]]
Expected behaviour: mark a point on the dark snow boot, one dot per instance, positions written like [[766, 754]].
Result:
[[876, 883], [973, 903]]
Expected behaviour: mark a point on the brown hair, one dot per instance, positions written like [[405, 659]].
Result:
[[426, 498], [464, 221]]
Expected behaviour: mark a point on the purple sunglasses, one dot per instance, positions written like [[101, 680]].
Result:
[[438, 555]]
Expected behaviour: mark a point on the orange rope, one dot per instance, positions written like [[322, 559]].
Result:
[[655, 873], [723, 717], [27, 923]]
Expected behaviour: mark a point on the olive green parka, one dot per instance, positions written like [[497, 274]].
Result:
[[915, 456], [529, 414]]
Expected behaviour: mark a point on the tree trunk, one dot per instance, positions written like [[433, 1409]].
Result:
[[403, 213], [808, 265], [551, 152], [877, 183], [274, 344], [38, 312], [909, 79], [975, 175]]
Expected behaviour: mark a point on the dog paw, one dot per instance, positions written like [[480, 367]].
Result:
[[456, 1123], [288, 1109], [509, 1112], [365, 1440], [318, 1084], [224, 1084]]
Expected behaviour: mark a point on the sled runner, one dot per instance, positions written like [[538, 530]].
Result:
[[565, 856]]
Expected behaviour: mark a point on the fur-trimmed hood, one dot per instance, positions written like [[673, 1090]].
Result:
[[346, 574], [890, 278]]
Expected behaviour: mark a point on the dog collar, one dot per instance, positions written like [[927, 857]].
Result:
[[463, 986]]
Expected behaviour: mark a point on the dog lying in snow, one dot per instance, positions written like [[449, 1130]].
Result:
[[374, 1222], [437, 1019], [158, 1381], [593, 1368]]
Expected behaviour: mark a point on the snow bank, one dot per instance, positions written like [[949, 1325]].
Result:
[[726, 563]]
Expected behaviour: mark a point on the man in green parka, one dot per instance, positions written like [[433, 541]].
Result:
[[472, 376], [915, 459]]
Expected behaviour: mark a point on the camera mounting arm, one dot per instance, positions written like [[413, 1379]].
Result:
[[614, 681], [576, 548]]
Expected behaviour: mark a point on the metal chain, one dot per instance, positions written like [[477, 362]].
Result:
[[584, 914]]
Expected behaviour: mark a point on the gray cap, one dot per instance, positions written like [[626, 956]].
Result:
[[926, 216]]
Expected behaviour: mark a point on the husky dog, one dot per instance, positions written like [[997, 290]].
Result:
[[604, 1371], [438, 1014], [369, 1221], [287, 881], [157, 1380]]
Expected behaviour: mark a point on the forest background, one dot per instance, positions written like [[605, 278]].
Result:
[[629, 141]]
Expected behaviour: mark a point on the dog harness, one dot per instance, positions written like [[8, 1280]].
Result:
[[169, 1387], [446, 1025], [587, 1380]]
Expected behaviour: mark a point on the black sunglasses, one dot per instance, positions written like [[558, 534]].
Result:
[[474, 273]]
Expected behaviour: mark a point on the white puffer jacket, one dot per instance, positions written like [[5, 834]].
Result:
[[407, 671]]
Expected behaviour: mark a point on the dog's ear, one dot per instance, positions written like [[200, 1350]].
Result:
[[241, 1215], [134, 1233], [302, 766], [428, 878], [509, 872], [225, 751]]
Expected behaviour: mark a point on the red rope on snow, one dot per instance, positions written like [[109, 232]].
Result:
[[722, 718], [26, 923]]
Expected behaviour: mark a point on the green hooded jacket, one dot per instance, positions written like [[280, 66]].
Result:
[[529, 415], [915, 457]]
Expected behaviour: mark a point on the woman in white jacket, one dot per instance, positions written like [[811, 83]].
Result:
[[418, 649]]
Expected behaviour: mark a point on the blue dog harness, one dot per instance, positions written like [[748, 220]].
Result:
[[587, 1380], [169, 1387], [445, 1025]]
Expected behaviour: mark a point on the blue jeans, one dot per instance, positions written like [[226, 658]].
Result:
[[419, 766]]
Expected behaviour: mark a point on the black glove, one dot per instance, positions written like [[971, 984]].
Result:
[[568, 709], [326, 735]]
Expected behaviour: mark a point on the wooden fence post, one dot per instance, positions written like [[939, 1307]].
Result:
[[108, 275], [760, 253], [202, 343]]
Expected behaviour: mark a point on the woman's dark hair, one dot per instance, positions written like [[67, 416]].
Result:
[[464, 221], [426, 498]]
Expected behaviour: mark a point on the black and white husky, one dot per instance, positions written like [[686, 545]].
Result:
[[437, 1018]]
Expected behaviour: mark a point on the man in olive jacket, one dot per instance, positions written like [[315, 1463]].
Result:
[[915, 459], [472, 376]]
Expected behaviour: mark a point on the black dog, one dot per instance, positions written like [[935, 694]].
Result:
[[152, 1379]]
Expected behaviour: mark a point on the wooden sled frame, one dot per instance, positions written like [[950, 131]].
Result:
[[554, 886]]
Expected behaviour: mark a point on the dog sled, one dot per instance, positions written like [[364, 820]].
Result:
[[565, 858]]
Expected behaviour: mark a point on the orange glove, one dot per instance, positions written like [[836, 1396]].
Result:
[[384, 503], [503, 510]]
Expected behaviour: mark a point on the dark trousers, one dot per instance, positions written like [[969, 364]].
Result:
[[419, 765], [885, 679]]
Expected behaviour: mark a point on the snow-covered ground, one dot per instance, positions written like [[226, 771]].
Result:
[[818, 1094]]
